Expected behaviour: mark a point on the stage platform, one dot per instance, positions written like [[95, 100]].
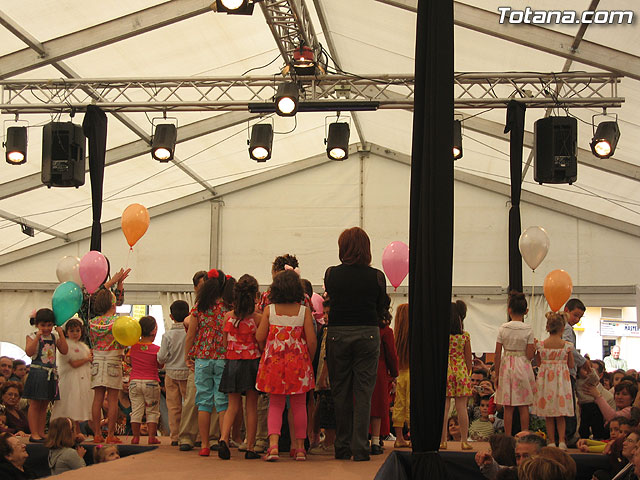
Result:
[[157, 462]]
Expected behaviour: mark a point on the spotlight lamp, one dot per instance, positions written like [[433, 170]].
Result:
[[605, 139], [261, 142], [304, 60], [338, 141], [16, 145], [457, 139], [163, 144], [235, 7], [287, 99]]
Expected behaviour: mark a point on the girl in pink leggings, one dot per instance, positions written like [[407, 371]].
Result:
[[285, 367]]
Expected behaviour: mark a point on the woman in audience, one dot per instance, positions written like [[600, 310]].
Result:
[[10, 393], [13, 455], [625, 393]]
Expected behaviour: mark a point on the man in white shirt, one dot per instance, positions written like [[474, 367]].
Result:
[[613, 362]]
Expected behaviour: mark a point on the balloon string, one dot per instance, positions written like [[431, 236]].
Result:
[[533, 298], [89, 320], [128, 255]]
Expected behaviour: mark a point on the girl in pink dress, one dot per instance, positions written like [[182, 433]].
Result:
[[285, 367], [554, 399], [516, 383]]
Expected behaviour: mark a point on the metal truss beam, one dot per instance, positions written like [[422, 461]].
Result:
[[539, 38], [134, 149], [471, 90], [36, 226], [99, 35]]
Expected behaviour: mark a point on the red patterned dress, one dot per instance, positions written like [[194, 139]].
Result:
[[458, 382], [285, 367]]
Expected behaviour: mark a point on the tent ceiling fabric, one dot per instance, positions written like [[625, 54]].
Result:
[[182, 38]]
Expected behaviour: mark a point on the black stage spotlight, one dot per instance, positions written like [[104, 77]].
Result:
[[163, 144], [261, 142], [235, 7], [338, 141], [16, 145], [287, 99], [457, 139], [605, 140]]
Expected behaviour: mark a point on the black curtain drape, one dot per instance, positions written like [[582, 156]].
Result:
[[95, 129], [515, 125], [431, 233]]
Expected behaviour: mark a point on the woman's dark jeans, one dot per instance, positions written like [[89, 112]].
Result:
[[352, 359]]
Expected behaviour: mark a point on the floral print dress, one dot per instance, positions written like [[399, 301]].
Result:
[[516, 383], [458, 381], [554, 397], [209, 341], [285, 367]]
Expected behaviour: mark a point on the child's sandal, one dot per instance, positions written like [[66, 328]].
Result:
[[301, 455], [272, 454], [113, 439]]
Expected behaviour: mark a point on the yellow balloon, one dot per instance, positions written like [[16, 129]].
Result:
[[126, 331]]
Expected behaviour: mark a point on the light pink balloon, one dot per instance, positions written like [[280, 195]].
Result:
[[93, 270], [316, 301], [395, 262]]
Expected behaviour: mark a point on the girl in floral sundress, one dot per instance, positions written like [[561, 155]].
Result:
[[516, 383], [458, 381], [285, 367], [554, 399]]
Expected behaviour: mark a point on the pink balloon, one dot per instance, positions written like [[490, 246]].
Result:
[[316, 301], [395, 262], [93, 270]]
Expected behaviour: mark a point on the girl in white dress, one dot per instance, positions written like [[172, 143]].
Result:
[[74, 383]]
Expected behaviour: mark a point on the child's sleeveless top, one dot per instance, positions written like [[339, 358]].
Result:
[[241, 340]]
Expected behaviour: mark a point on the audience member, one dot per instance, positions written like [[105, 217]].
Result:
[[13, 455], [105, 453], [6, 366], [539, 468], [17, 421], [61, 442], [613, 362], [19, 371], [526, 446]]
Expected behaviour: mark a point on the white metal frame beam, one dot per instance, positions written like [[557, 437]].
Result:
[[36, 226]]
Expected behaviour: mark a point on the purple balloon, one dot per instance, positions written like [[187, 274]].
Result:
[[395, 262], [93, 270]]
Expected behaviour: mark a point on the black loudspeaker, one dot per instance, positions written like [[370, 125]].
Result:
[[63, 155], [556, 145]]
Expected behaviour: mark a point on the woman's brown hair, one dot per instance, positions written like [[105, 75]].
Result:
[[354, 247], [60, 433], [401, 332]]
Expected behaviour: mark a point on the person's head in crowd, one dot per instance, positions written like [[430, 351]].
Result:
[[384, 311], [179, 310], [284, 262], [354, 247], [6, 365], [624, 394], [227, 291], [555, 322], [477, 376], [585, 369], [628, 378], [74, 329], [615, 351], [517, 304], [308, 288], [528, 446], [105, 453], [149, 327], [484, 407], [616, 377], [453, 427], [244, 296], [606, 381], [538, 468], [401, 334], [618, 427], [326, 307], [60, 433], [509, 473], [458, 314], [10, 393], [599, 366], [633, 373], [575, 308], [486, 388], [198, 280], [211, 291], [12, 451], [103, 302], [286, 288], [503, 449], [19, 369], [563, 458], [630, 443]]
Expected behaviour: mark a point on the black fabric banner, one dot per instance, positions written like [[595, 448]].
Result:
[[431, 233], [95, 129], [515, 125]]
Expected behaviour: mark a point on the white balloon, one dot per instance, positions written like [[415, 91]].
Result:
[[68, 270], [534, 245]]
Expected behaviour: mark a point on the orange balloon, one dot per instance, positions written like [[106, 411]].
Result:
[[557, 289], [135, 221]]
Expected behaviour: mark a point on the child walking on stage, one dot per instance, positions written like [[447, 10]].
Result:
[[285, 367], [144, 388], [241, 369], [41, 386], [554, 399], [458, 374], [516, 384]]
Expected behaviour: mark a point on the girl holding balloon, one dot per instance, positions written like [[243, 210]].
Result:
[[41, 386], [106, 368]]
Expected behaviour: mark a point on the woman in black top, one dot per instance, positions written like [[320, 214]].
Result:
[[357, 292]]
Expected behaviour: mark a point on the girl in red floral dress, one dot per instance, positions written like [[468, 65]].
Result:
[[285, 367], [458, 382]]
